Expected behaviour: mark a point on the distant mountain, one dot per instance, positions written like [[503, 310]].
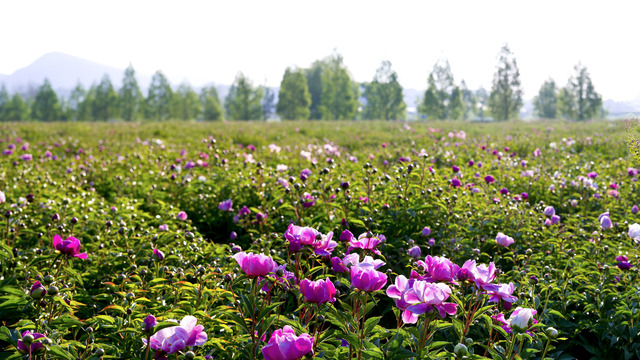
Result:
[[64, 72]]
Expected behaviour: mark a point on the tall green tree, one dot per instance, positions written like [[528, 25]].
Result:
[[442, 99], [546, 102], [159, 98], [5, 99], [210, 102], [17, 109], [580, 101], [314, 83], [104, 104], [244, 101], [470, 101], [46, 106], [77, 108], [130, 96], [294, 99], [187, 103], [505, 100], [384, 95], [339, 100]]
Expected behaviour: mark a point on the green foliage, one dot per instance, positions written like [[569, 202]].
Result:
[[505, 100], [579, 100], [244, 101], [443, 99], [17, 109], [314, 82], [294, 99], [469, 100], [5, 99], [160, 99], [339, 99], [384, 96], [131, 99], [545, 104], [187, 105], [46, 106], [104, 101], [210, 102]]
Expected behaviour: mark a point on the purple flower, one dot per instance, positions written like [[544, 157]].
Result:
[[455, 183], [308, 200], [431, 242], [438, 268], [504, 240], [489, 179], [503, 292], [366, 241], [622, 258], [255, 264], [483, 275], [298, 236], [285, 345], [524, 196], [70, 246], [34, 347], [634, 209], [181, 216], [365, 277], [425, 231], [504, 191], [163, 227], [244, 211], [26, 157], [158, 254], [233, 235], [555, 219], [592, 175], [318, 292], [177, 338], [304, 174], [549, 211], [37, 291], [347, 236], [149, 323], [226, 205], [624, 265], [337, 265], [288, 279], [397, 291], [605, 222], [414, 252], [424, 297], [455, 169], [324, 246], [632, 171]]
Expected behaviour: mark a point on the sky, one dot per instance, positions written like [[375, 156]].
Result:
[[212, 41]]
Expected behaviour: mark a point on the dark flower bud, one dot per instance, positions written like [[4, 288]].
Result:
[[53, 290], [55, 217]]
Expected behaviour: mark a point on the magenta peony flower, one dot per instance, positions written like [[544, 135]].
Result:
[[503, 292], [425, 231], [298, 236], [489, 179], [397, 291], [324, 246], [318, 292], [366, 241], [285, 345], [504, 240], [483, 275], [549, 211], [35, 346], [158, 254], [70, 246], [37, 291], [424, 297], [365, 277], [414, 252], [438, 269], [226, 205], [255, 265], [149, 323], [177, 338], [182, 216]]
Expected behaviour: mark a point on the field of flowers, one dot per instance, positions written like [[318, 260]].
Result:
[[328, 240]]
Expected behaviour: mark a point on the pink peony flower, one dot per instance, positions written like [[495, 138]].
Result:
[[70, 246], [255, 264], [285, 345]]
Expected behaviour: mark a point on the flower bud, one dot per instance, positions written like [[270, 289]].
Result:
[[552, 333], [461, 350]]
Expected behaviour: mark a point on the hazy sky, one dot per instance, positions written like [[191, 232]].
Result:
[[211, 41]]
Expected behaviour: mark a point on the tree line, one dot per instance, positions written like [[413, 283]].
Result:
[[324, 91]]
